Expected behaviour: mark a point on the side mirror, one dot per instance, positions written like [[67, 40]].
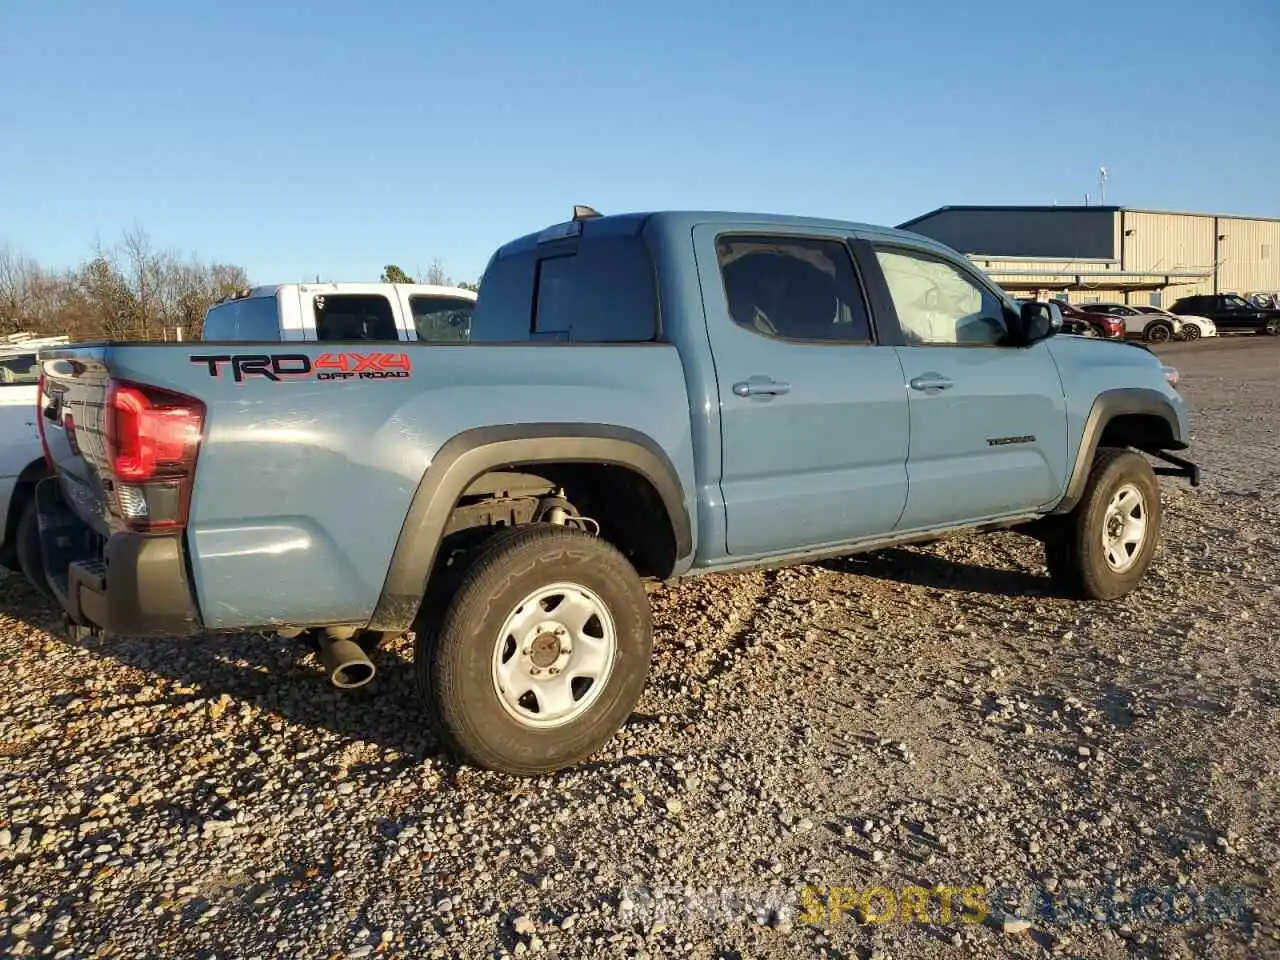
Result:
[[1040, 320]]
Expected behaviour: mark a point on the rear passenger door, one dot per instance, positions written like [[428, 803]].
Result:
[[813, 413]]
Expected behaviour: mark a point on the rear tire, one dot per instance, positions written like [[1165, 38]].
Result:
[[1102, 548], [1159, 332], [1272, 328], [540, 655], [29, 551]]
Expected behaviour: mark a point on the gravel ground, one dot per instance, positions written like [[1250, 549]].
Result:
[[1020, 774]]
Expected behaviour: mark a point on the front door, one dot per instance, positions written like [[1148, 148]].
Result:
[[988, 419], [813, 414]]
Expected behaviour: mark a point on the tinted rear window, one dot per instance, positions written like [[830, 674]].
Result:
[[252, 319], [20, 369], [354, 316], [442, 319], [594, 291]]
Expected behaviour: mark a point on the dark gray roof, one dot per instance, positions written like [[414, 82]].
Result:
[[1071, 208]]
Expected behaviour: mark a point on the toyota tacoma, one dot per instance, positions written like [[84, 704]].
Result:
[[640, 397]]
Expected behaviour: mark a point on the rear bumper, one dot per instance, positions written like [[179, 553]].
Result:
[[124, 584]]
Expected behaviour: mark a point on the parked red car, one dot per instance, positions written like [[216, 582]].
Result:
[[1101, 324]]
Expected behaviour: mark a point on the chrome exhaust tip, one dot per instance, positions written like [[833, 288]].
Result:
[[345, 662]]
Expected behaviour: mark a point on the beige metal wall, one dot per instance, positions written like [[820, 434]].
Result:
[[1165, 242], [1250, 255], [1248, 258]]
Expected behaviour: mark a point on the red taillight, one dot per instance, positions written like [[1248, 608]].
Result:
[[152, 438]]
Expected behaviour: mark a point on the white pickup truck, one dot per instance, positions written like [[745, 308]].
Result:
[[21, 460], [320, 312]]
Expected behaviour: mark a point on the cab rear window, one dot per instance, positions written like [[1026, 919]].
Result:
[[252, 319], [599, 290]]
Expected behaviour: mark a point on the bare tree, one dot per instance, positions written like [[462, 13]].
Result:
[[20, 280], [133, 291], [436, 274]]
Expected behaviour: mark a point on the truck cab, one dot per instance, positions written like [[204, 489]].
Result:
[[318, 312]]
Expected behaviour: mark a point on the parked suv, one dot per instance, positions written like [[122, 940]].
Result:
[[1230, 312], [1193, 327], [1152, 329]]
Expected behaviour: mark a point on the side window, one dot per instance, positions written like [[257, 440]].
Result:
[[938, 304], [442, 319], [793, 289], [354, 316]]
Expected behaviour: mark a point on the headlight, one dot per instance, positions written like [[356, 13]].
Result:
[[1170, 375]]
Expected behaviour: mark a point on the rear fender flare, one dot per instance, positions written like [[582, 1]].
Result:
[[472, 453], [1106, 407]]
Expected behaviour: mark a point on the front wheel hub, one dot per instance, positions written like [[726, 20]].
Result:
[[1124, 528]]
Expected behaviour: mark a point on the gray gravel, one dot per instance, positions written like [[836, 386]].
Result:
[[922, 717]]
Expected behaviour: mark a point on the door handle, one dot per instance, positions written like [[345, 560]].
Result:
[[760, 387], [929, 382]]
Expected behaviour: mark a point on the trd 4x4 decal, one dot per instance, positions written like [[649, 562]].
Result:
[[292, 366]]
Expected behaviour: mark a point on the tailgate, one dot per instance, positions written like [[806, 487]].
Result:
[[121, 436], [71, 419]]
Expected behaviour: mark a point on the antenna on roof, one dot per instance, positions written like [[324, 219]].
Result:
[[582, 212]]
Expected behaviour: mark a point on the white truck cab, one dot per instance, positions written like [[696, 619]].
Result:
[[342, 311], [21, 459]]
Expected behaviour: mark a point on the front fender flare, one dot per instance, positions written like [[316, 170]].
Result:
[[1106, 407], [470, 454]]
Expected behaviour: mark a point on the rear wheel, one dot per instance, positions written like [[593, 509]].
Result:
[[1159, 332], [1272, 328], [541, 653], [1102, 548]]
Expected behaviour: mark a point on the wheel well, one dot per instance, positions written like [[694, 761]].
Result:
[[23, 490], [1142, 431], [625, 504]]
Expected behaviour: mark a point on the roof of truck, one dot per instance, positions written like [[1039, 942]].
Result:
[[629, 224], [17, 344], [339, 286]]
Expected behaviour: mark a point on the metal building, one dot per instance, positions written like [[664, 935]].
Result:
[[1108, 253]]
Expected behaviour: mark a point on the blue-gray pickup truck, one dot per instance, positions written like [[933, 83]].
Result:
[[642, 397]]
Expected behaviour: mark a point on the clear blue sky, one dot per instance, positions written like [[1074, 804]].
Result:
[[334, 137]]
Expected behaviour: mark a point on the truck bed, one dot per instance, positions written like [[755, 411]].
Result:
[[310, 455]]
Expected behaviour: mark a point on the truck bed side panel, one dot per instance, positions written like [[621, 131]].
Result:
[[302, 485]]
